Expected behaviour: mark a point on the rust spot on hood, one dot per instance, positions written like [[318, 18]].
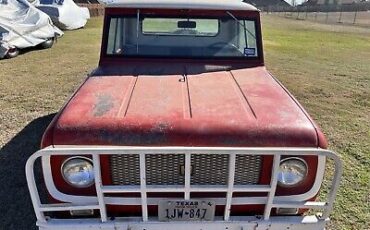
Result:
[[104, 103]]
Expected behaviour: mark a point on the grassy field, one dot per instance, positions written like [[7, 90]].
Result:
[[325, 66]]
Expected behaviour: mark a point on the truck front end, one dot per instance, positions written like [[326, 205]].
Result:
[[181, 126]]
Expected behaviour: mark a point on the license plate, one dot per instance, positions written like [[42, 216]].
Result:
[[189, 210]]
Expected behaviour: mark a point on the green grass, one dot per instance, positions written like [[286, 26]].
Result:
[[39, 82], [325, 66]]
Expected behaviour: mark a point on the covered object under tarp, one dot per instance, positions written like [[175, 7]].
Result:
[[23, 25], [64, 13]]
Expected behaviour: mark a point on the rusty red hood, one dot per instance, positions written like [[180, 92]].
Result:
[[245, 107]]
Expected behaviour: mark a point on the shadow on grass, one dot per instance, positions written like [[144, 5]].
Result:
[[15, 203]]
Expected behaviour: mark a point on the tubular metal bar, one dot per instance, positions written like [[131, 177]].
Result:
[[98, 186], [187, 176], [229, 195], [309, 204], [187, 188], [180, 188], [144, 203], [31, 183], [334, 188], [63, 207], [273, 183]]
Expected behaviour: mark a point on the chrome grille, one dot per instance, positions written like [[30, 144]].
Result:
[[164, 169], [125, 169], [247, 169], [168, 169], [209, 169]]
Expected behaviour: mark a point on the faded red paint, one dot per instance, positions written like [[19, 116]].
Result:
[[244, 107], [233, 103]]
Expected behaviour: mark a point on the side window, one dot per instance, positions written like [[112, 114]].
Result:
[[247, 38], [115, 36], [251, 37]]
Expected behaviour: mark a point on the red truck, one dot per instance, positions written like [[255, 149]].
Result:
[[182, 127]]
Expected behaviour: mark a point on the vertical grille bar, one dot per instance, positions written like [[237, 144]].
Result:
[[230, 187], [273, 184], [144, 202], [187, 176], [98, 186]]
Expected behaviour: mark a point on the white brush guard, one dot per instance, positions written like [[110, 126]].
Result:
[[225, 222]]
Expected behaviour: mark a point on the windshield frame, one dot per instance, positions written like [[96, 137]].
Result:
[[131, 12]]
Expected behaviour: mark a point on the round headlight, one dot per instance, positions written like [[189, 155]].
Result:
[[292, 171], [78, 172]]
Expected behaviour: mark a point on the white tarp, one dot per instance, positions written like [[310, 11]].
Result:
[[23, 25], [64, 13]]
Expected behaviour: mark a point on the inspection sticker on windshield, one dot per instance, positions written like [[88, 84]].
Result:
[[249, 52]]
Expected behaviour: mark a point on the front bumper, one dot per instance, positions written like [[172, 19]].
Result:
[[235, 223], [227, 222]]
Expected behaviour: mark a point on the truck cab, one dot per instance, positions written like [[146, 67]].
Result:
[[181, 126]]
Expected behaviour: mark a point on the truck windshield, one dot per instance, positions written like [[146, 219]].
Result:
[[204, 37]]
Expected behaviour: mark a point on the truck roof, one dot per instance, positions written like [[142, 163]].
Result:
[[181, 4]]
